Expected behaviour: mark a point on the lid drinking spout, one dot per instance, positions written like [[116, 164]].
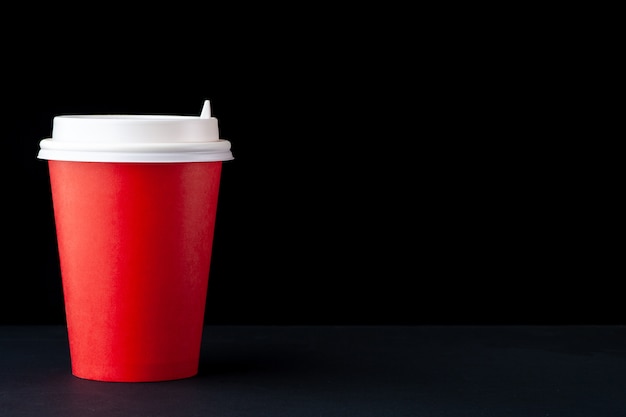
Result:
[[206, 110]]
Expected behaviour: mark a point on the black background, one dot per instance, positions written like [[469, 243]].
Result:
[[385, 172]]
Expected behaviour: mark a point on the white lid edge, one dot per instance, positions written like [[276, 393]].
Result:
[[135, 152]]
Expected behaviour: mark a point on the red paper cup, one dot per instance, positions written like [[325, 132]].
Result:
[[135, 242], [135, 248]]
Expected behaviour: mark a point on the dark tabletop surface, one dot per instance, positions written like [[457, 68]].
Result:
[[300, 371]]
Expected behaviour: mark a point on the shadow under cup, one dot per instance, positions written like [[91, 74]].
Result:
[[135, 243]]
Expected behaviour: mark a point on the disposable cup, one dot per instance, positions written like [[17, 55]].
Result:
[[135, 201]]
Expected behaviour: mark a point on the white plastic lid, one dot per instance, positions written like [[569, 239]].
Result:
[[136, 138]]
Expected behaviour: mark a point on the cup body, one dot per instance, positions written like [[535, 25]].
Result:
[[135, 242]]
